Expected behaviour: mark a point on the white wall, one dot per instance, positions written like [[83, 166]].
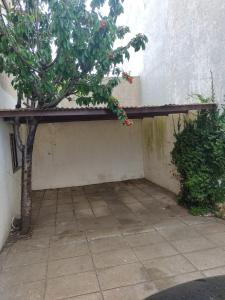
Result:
[[128, 94], [9, 182], [186, 41], [79, 153], [133, 18]]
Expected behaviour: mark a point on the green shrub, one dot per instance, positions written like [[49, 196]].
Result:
[[199, 155]]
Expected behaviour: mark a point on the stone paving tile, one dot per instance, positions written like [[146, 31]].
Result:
[[71, 221], [65, 200], [49, 202], [218, 220], [134, 292], [20, 258], [143, 239], [209, 228], [214, 272], [82, 205], [48, 210], [107, 244], [101, 211], [66, 228], [65, 217], [69, 266], [30, 244], [114, 235], [136, 207], [179, 233], [64, 208], [3, 255], [29, 291], [36, 206], [41, 223], [22, 274], [128, 219], [167, 200], [121, 276], [41, 219], [195, 220], [43, 213], [65, 239], [78, 202], [102, 233], [68, 250], [84, 213], [95, 296], [176, 211], [71, 285], [114, 258], [50, 194], [38, 195], [190, 245], [168, 267], [168, 282], [207, 259], [137, 193], [77, 191], [134, 229], [217, 238], [46, 231], [154, 251], [97, 223], [169, 223], [152, 217], [98, 203]]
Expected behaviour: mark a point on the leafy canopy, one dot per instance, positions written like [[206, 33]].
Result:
[[58, 48]]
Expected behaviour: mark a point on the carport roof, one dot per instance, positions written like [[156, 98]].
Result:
[[96, 113]]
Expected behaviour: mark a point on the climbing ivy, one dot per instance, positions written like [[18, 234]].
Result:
[[199, 156]]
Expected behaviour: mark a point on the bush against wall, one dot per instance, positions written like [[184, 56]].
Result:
[[199, 155]]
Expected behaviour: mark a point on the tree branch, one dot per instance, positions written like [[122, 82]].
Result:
[[31, 132], [67, 92], [19, 100], [17, 134], [20, 6], [5, 5], [46, 67]]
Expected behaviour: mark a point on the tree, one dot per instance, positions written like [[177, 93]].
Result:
[[57, 49]]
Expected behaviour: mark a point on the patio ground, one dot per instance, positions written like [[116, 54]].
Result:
[[114, 241]]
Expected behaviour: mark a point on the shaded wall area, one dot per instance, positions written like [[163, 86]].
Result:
[[80, 153], [158, 142], [9, 181]]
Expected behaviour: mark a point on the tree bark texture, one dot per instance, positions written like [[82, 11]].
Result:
[[26, 176]]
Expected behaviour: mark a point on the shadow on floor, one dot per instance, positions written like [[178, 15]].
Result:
[[201, 289]]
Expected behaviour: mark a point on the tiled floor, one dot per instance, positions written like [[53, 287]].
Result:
[[117, 241]]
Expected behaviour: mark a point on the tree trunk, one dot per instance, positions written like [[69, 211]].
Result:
[[26, 178]]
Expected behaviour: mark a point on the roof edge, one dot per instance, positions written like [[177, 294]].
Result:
[[97, 113]]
